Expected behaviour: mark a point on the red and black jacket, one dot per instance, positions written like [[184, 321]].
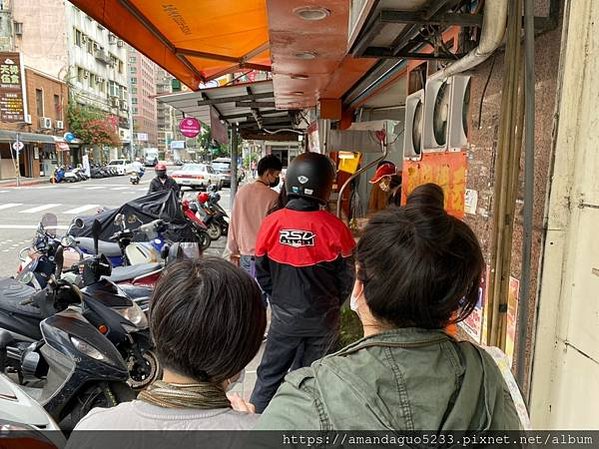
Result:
[[304, 263]]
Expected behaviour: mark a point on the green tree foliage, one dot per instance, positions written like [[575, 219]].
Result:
[[93, 126]]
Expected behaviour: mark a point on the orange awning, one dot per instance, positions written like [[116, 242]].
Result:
[[193, 40]]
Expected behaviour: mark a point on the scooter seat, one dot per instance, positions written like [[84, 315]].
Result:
[[120, 274], [13, 293], [109, 249]]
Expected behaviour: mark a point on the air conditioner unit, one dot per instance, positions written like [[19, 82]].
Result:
[[114, 101], [412, 147], [86, 74], [83, 39], [45, 123], [458, 112], [112, 39], [99, 80], [437, 98], [59, 124], [18, 28], [120, 43]]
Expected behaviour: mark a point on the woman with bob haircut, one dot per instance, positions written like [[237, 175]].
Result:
[[207, 319], [418, 270]]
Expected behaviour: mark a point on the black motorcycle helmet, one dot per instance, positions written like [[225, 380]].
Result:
[[310, 175]]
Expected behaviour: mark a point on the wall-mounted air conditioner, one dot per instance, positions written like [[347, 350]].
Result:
[[59, 124], [114, 101], [83, 39], [86, 74], [458, 112], [18, 28], [437, 98], [120, 43], [45, 123], [412, 146]]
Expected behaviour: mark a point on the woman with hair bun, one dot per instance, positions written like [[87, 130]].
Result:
[[418, 270]]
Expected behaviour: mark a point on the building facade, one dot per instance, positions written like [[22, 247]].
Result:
[[58, 39], [166, 119], [142, 79]]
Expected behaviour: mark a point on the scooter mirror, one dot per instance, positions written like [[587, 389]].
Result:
[[119, 220], [78, 223], [68, 241]]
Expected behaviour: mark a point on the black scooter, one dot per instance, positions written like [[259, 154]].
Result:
[[73, 367], [213, 215], [105, 305]]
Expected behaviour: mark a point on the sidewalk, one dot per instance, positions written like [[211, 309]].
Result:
[[23, 182]]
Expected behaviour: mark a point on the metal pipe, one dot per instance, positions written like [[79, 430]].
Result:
[[529, 172], [234, 139], [385, 150], [493, 31]]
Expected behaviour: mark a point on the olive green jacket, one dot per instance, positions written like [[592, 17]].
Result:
[[405, 379]]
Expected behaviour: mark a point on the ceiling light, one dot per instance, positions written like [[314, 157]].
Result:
[[312, 12], [297, 93], [299, 77], [305, 55]]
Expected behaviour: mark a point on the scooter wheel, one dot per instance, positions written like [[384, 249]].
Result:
[[101, 394], [214, 231], [138, 379]]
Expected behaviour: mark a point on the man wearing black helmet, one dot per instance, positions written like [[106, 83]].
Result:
[[303, 256], [162, 181]]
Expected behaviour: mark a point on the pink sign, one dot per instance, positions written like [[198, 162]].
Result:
[[190, 127]]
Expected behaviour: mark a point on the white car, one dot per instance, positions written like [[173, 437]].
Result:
[[197, 176], [122, 166]]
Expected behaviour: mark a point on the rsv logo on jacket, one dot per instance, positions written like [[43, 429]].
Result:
[[296, 238]]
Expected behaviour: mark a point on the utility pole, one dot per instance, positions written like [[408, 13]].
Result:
[[17, 166]]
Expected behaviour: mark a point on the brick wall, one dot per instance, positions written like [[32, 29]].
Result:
[[481, 156]]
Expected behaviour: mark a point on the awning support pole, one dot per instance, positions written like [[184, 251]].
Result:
[[234, 142]]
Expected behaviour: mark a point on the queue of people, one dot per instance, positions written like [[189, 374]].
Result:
[[415, 270]]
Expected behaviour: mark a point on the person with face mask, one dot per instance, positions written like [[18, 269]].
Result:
[[207, 322], [386, 189], [162, 181], [418, 269], [303, 263], [252, 203]]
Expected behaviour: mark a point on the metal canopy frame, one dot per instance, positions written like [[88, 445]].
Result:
[[249, 106], [435, 13]]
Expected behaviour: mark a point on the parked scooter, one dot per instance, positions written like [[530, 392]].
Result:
[[117, 311], [72, 367], [24, 422], [212, 214]]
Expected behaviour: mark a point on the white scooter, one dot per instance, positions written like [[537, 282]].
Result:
[[25, 418]]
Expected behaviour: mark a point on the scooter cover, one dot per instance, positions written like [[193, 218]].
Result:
[[158, 205]]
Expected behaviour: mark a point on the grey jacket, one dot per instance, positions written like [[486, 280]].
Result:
[[405, 379]]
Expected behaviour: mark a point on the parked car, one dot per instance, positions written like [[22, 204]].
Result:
[[222, 166], [122, 166], [197, 176]]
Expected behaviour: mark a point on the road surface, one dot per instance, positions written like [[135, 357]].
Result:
[[22, 208]]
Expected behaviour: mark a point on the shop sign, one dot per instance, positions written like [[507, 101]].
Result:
[[177, 145], [69, 137], [190, 127], [13, 106], [448, 170], [142, 137]]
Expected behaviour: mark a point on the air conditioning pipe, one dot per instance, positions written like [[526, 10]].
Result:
[[493, 32]]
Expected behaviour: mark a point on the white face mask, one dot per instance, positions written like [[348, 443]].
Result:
[[353, 303], [237, 379]]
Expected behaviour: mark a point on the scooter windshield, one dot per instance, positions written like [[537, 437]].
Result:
[[49, 222]]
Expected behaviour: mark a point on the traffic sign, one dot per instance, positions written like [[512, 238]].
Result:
[[18, 146]]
